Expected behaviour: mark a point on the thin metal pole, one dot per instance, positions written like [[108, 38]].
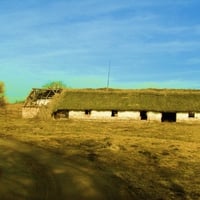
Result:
[[108, 80]]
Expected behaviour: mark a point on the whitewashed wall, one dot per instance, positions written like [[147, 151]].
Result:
[[104, 114], [41, 102], [93, 115], [29, 112], [129, 115], [154, 116], [77, 114], [197, 116], [182, 117], [185, 117], [100, 114]]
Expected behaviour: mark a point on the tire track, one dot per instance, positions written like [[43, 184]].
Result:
[[29, 172], [23, 175]]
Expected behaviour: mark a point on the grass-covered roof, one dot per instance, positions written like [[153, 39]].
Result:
[[128, 100]]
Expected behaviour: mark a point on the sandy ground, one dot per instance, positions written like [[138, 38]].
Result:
[[29, 172]]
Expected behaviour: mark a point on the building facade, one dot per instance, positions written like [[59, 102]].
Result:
[[149, 105]]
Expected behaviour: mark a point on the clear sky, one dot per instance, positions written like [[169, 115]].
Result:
[[149, 43]]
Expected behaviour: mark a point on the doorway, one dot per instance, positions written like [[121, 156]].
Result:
[[168, 117], [143, 115]]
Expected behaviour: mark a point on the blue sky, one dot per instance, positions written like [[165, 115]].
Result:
[[149, 43]]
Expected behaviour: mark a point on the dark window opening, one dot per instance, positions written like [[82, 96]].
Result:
[[168, 117], [114, 113], [191, 114], [59, 114], [87, 112], [143, 115]]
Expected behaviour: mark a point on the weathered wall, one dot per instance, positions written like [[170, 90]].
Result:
[[184, 117], [197, 116], [104, 114], [29, 112], [77, 114], [154, 116], [100, 114], [41, 102], [129, 115]]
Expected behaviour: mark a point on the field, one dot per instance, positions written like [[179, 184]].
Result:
[[71, 159]]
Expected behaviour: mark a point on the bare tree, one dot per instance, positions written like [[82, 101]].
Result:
[[2, 97]]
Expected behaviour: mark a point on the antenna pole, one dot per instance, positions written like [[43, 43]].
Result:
[[108, 80]]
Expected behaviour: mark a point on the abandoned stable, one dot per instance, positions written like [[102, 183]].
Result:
[[147, 104], [37, 99]]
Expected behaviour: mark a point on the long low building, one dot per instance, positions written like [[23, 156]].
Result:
[[147, 104]]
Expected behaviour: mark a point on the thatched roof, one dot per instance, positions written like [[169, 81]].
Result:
[[128, 100]]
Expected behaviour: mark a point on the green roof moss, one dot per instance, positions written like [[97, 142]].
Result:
[[160, 100]]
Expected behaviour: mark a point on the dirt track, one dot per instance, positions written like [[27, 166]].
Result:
[[29, 172]]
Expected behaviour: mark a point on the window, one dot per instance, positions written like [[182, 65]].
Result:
[[191, 114], [59, 114], [114, 113], [87, 112]]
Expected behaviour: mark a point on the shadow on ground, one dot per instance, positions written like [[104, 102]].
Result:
[[28, 172]]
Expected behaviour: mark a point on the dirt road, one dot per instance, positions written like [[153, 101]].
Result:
[[29, 172]]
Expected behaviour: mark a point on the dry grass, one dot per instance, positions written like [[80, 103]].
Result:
[[151, 160]]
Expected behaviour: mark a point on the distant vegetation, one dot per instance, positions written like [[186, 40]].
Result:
[[54, 85], [2, 95]]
